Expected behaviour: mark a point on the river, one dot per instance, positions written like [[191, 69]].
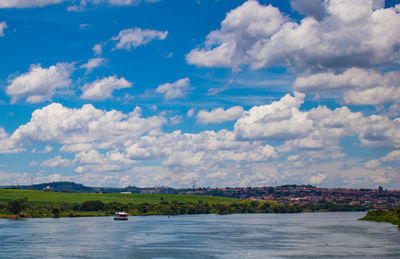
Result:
[[303, 235]]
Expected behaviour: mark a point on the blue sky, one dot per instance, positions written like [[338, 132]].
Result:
[[212, 93]]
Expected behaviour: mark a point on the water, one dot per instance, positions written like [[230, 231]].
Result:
[[305, 235]]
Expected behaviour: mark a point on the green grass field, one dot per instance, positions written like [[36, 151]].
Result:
[[41, 197]]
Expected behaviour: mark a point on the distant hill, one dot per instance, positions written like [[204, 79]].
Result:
[[77, 187]]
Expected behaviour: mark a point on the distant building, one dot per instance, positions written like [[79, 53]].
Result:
[[125, 192], [48, 188], [380, 190]]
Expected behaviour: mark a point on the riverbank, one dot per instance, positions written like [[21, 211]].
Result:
[[16, 204], [390, 216]]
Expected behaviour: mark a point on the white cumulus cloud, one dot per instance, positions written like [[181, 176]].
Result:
[[219, 115], [174, 90], [82, 4], [79, 128], [372, 164], [392, 156], [57, 161], [8, 145], [280, 120], [27, 3], [102, 89], [98, 48], [132, 38], [352, 33], [357, 86], [3, 26], [40, 84], [93, 63]]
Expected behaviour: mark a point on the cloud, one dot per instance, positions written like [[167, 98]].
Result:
[[317, 129], [352, 33], [40, 84], [93, 63], [174, 90], [57, 162], [111, 145], [15, 178], [242, 28], [206, 148], [357, 86], [372, 164], [190, 112], [351, 78], [132, 38], [8, 145], [46, 149], [392, 156], [378, 131], [55, 123], [84, 26], [280, 120], [175, 120], [81, 6], [312, 8], [76, 148], [102, 89], [219, 115], [98, 48], [95, 162], [374, 131], [3, 26], [27, 3]]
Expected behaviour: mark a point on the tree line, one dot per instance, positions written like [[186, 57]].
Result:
[[21, 208]]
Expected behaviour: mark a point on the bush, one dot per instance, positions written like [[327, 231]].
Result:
[[116, 206], [16, 206], [91, 206]]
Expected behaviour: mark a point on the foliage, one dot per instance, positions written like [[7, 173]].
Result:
[[92, 206], [330, 206], [56, 212], [16, 206], [68, 205], [391, 216]]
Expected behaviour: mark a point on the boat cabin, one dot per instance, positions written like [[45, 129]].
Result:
[[121, 215]]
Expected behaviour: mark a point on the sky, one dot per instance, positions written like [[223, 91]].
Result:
[[211, 93]]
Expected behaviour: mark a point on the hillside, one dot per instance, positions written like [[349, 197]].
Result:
[[45, 197]]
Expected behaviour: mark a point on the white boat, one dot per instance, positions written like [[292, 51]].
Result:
[[121, 215]]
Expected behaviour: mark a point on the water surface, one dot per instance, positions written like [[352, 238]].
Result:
[[304, 235]]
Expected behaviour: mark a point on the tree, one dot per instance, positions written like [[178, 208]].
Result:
[[92, 206], [16, 206], [56, 212]]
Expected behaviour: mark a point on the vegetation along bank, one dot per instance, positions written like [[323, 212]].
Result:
[[390, 216], [26, 203]]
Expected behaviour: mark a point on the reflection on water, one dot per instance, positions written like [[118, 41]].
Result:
[[305, 235]]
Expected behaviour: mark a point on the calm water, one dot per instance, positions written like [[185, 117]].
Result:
[[305, 235]]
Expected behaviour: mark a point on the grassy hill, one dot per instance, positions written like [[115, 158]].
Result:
[[44, 197]]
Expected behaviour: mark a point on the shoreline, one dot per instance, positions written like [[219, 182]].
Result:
[[89, 215]]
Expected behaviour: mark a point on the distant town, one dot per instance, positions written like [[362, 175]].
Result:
[[307, 195], [304, 196]]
